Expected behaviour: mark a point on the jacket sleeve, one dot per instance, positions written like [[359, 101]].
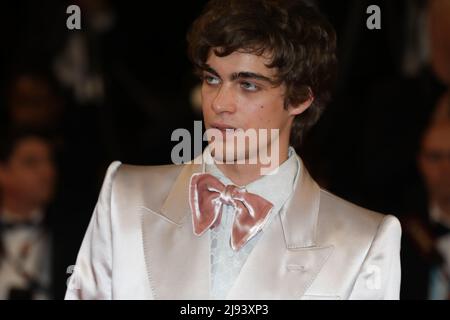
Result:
[[379, 276], [91, 277]]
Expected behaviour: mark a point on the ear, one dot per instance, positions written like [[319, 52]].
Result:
[[295, 110]]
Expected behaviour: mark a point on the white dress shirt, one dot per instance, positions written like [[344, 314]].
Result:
[[26, 254], [226, 263]]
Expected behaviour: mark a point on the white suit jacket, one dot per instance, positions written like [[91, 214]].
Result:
[[140, 245]]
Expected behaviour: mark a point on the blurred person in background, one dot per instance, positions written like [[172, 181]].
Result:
[[426, 249], [426, 204], [35, 101], [27, 184], [396, 108]]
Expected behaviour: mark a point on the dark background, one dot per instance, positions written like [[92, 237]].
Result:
[[362, 149]]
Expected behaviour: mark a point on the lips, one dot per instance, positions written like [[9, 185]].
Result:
[[223, 127]]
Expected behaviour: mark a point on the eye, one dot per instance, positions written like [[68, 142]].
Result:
[[248, 86], [211, 80]]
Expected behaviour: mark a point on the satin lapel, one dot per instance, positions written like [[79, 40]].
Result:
[[274, 272], [178, 262], [286, 259]]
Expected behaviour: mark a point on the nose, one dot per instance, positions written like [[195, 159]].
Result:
[[224, 101]]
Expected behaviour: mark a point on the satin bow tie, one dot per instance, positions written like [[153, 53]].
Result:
[[207, 196]]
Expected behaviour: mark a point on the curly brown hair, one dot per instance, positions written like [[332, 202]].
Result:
[[300, 41]]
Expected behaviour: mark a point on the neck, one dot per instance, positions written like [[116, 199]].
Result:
[[18, 210], [243, 174]]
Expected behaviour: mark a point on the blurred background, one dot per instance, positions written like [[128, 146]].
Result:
[[72, 101]]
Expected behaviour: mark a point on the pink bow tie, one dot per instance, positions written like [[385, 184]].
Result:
[[207, 195]]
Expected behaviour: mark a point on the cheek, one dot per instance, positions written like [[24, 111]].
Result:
[[29, 178], [431, 172], [206, 99], [267, 114], [18, 182], [202, 97]]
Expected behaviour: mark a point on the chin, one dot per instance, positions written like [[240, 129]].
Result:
[[244, 156]]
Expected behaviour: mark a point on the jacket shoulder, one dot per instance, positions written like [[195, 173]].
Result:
[[144, 185], [342, 220], [136, 173]]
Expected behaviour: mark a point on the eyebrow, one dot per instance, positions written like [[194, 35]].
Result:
[[240, 75]]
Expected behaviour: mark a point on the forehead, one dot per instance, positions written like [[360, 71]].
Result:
[[240, 61]]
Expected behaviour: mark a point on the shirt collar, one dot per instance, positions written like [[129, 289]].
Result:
[[282, 181], [438, 216]]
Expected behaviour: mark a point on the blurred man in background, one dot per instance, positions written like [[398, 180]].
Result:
[[427, 225], [27, 181], [426, 247], [396, 109], [34, 100]]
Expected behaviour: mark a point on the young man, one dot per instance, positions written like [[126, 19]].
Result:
[[212, 229], [27, 182]]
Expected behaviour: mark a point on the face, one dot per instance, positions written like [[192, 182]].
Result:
[[434, 161], [29, 175], [238, 93]]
